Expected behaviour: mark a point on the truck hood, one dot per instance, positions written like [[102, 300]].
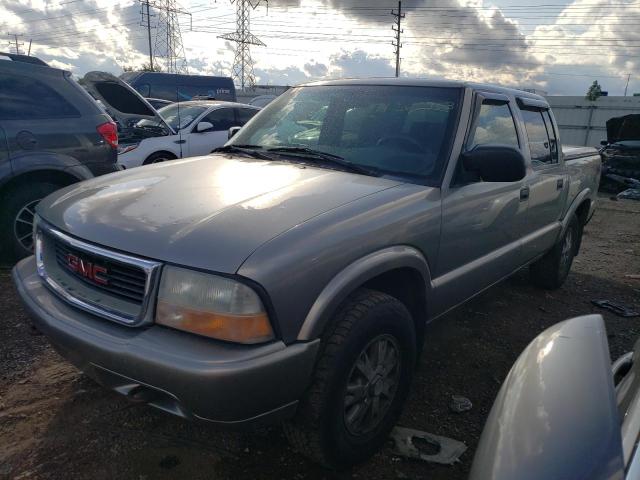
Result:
[[209, 212]]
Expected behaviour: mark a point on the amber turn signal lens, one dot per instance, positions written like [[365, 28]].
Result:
[[233, 328]]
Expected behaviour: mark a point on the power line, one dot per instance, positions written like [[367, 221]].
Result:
[[399, 16]]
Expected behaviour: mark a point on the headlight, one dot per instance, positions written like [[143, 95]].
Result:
[[212, 306], [127, 148]]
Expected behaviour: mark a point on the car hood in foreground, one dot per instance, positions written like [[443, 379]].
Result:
[[556, 414], [209, 212]]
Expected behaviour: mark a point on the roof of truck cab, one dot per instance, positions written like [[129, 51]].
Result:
[[423, 82]]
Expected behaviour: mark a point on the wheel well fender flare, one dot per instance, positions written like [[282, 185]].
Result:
[[354, 276], [573, 208]]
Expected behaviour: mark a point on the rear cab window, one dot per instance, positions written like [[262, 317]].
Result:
[[541, 135]]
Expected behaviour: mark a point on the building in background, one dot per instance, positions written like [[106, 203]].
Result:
[[583, 122]]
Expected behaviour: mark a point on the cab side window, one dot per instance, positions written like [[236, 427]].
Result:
[[495, 126], [542, 142], [222, 119]]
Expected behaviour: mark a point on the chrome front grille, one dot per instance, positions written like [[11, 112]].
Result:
[[113, 285], [119, 279]]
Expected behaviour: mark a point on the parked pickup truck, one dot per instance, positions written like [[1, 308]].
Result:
[[289, 276]]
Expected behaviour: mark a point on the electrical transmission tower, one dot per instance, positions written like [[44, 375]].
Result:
[[242, 63], [398, 29], [168, 37]]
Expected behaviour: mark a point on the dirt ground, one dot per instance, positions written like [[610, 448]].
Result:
[[56, 423]]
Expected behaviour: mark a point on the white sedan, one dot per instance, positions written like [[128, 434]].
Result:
[[194, 128]]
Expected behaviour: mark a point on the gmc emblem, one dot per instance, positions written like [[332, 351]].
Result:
[[86, 269]]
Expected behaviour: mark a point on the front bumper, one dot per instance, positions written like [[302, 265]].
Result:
[[186, 375]]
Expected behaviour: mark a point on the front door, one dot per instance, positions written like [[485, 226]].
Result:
[[548, 182], [482, 222], [203, 142]]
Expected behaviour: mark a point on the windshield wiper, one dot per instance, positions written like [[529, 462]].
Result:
[[329, 158], [250, 150]]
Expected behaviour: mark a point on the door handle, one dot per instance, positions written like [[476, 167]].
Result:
[[524, 193], [180, 141], [560, 184]]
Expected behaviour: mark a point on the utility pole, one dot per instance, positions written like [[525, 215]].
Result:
[[242, 63], [15, 42], [398, 29], [627, 85], [29, 51], [147, 15]]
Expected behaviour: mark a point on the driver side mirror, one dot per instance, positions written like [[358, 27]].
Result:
[[495, 163], [232, 132], [204, 127]]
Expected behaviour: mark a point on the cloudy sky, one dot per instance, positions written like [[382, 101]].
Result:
[[559, 46]]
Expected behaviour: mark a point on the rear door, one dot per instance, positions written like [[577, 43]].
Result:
[[482, 222], [36, 117], [203, 142], [547, 182]]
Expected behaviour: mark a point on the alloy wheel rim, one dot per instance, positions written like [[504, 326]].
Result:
[[372, 385], [23, 225], [567, 249]]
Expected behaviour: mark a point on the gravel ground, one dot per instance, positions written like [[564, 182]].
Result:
[[56, 423]]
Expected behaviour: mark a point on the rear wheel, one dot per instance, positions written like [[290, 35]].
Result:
[[552, 270], [360, 384], [16, 218]]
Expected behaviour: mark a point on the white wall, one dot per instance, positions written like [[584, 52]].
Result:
[[583, 122]]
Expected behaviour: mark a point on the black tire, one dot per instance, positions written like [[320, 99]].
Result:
[[325, 429], [159, 157], [552, 270], [18, 205]]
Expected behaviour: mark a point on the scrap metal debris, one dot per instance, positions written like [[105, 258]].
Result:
[[407, 441], [617, 308], [631, 186], [460, 404], [629, 194]]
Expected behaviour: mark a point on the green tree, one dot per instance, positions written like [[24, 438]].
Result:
[[594, 91], [145, 67]]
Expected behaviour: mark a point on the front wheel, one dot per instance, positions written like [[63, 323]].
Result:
[[361, 382], [552, 270], [159, 157]]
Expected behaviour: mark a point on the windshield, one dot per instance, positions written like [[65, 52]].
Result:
[[177, 116], [397, 130]]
